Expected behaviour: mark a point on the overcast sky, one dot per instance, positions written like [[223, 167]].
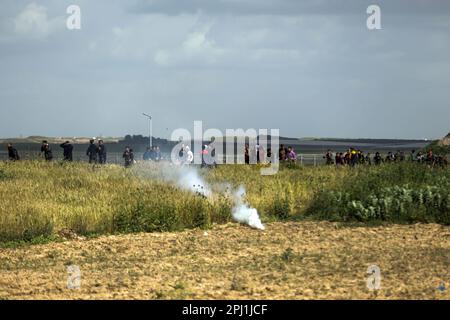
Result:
[[308, 68]]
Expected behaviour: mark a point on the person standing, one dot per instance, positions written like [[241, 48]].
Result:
[[189, 156], [13, 155], [157, 154], [262, 154], [291, 155], [368, 159], [377, 159], [47, 151], [282, 153], [269, 155], [147, 154], [246, 154], [67, 151], [412, 156], [101, 150], [128, 156], [329, 157], [92, 151], [338, 158]]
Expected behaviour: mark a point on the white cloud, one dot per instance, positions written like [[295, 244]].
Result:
[[196, 47], [33, 21]]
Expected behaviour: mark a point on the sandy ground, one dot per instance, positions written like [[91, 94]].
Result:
[[306, 260]]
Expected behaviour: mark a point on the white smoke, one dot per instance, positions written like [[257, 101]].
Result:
[[187, 178], [243, 213]]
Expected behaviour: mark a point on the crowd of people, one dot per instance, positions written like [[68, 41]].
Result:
[[355, 157], [96, 154], [152, 154]]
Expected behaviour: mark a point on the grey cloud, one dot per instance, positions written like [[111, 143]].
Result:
[[307, 68], [289, 7]]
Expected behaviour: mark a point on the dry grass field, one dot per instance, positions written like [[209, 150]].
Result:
[[289, 260]]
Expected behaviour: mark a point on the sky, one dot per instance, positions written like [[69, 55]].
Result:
[[308, 68]]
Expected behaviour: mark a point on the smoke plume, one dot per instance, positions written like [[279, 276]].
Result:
[[187, 178], [243, 213]]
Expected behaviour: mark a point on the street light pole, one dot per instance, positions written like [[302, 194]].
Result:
[[150, 124]]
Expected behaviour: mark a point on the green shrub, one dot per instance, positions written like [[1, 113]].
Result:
[[280, 208], [401, 193]]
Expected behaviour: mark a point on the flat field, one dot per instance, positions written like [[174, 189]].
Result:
[[290, 260], [138, 234]]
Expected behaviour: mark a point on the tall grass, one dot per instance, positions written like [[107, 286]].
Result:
[[40, 199]]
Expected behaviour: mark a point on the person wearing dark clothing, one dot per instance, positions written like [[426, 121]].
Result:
[[390, 157], [47, 151], [246, 154], [329, 157], [339, 158], [92, 152], [368, 159], [347, 157], [377, 159], [420, 157], [354, 157], [67, 151], [128, 156], [258, 158], [101, 151], [282, 153], [361, 157], [13, 155]]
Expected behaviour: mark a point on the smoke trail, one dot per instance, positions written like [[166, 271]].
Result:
[[187, 178], [183, 177]]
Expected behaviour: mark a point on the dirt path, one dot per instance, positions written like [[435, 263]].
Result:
[[287, 261]]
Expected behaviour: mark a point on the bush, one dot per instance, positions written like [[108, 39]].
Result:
[[280, 208], [401, 193]]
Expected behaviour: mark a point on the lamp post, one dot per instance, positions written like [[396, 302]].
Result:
[[150, 128]]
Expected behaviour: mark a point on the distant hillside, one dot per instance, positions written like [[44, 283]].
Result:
[[440, 146], [445, 141]]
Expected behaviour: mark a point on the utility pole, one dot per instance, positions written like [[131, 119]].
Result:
[[149, 128]]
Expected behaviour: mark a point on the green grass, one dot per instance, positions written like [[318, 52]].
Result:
[[39, 199]]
